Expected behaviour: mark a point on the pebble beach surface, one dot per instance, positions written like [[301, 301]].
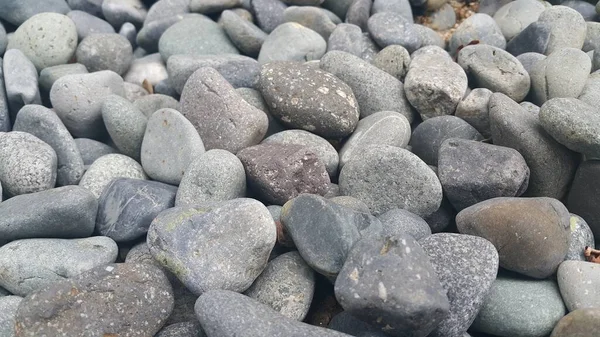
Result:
[[299, 168]]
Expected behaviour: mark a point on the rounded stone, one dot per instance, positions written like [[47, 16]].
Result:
[[88, 24], [579, 323], [578, 282], [183, 329], [170, 144], [351, 202], [394, 60], [91, 150], [247, 37], [20, 83], [581, 237], [50, 75], [513, 17], [108, 167], [268, 13], [359, 13], [350, 39], [105, 52], [398, 221], [567, 28], [216, 175], [291, 41], [47, 39], [117, 12], [391, 28], [125, 124], [149, 104], [149, 67], [18, 11], [480, 27], [443, 18], [529, 60], [400, 180], [474, 110]]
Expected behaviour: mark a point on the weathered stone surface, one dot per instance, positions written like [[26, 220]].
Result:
[[350, 39], [399, 221], [105, 52], [474, 110], [108, 167], [292, 42], [579, 323], [579, 284]]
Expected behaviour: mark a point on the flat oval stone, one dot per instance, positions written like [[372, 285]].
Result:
[[246, 36], [467, 266], [381, 128], [125, 124], [196, 35], [471, 172], [105, 52], [127, 207], [117, 12], [287, 285], [291, 41], [309, 99], [108, 167], [18, 11], [216, 175], [83, 117], [583, 322], [149, 104], [399, 180], [64, 212], [311, 17], [27, 164], [531, 234], [495, 69], [514, 16], [474, 110], [380, 281], [50, 75], [268, 13], [581, 237], [391, 28], [221, 245], [46, 126], [170, 144], [20, 81], [221, 116], [397, 222], [567, 28], [578, 284], [374, 89], [551, 165], [480, 27], [47, 39], [32, 264], [51, 311], [91, 150], [252, 318], [87, 24], [299, 170], [517, 317]]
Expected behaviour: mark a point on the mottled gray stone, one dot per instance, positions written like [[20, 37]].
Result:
[[551, 165], [591, 91], [213, 6], [467, 267], [255, 98], [223, 245], [507, 311], [18, 11], [5, 124], [394, 60], [346, 323], [125, 124], [268, 13], [64, 212], [374, 89], [581, 237], [350, 39], [108, 167], [32, 264], [399, 180], [246, 36], [8, 311], [291, 41], [183, 329], [578, 282], [592, 36], [310, 17], [567, 28], [443, 18], [20, 81], [149, 104], [474, 110], [513, 17], [50, 75], [398, 221], [210, 103], [105, 52], [216, 175], [44, 124], [391, 28], [529, 60], [149, 36], [57, 309], [117, 12], [87, 24], [91, 150], [579, 323], [396, 6], [429, 37], [359, 13], [480, 27], [583, 198], [166, 8]]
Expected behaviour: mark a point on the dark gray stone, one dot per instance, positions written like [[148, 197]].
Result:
[[578, 282], [324, 232], [183, 329], [586, 9], [551, 165], [222, 245], [391, 28], [57, 309], [87, 24], [299, 171], [291, 41], [64, 212], [592, 36], [117, 12], [149, 36], [346, 323], [20, 81], [350, 39], [390, 284], [583, 197], [91, 150], [397, 222], [531, 234], [515, 16], [127, 207], [480, 27], [247, 37], [268, 13], [50, 75], [18, 11], [534, 38], [108, 167], [309, 99], [125, 124], [359, 13], [579, 323], [467, 267]]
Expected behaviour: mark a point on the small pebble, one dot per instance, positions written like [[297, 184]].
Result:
[[20, 81], [108, 167], [105, 52], [125, 124], [87, 24], [292, 42]]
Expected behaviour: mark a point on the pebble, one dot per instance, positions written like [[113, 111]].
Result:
[[374, 89], [578, 283], [581, 237], [471, 172], [434, 84], [380, 283], [125, 124], [359, 13], [351, 202], [127, 207], [292, 42], [399, 180], [551, 165], [213, 6], [20, 81], [582, 198], [381, 128], [117, 12], [197, 35], [216, 175], [299, 171], [149, 67], [350, 39], [562, 74], [268, 13], [50, 310], [18, 11], [222, 312], [393, 6], [587, 10], [105, 52], [50, 75], [83, 117], [394, 60], [309, 99], [310, 17], [108, 167], [580, 323], [429, 136], [246, 36], [149, 35], [91, 150], [87, 24], [5, 125], [320, 146], [93, 7], [129, 32], [443, 18], [513, 17], [149, 104], [429, 37], [347, 323], [210, 103], [474, 110], [228, 253], [502, 315], [534, 38], [287, 285], [27, 164], [529, 60], [47, 39], [567, 28], [531, 234], [170, 144], [32, 264], [64, 212], [480, 27], [592, 36], [466, 276], [495, 69], [397, 222], [255, 98], [392, 28], [8, 310], [183, 329]]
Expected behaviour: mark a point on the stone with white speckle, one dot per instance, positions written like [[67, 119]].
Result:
[[107, 168], [581, 237], [579, 284]]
